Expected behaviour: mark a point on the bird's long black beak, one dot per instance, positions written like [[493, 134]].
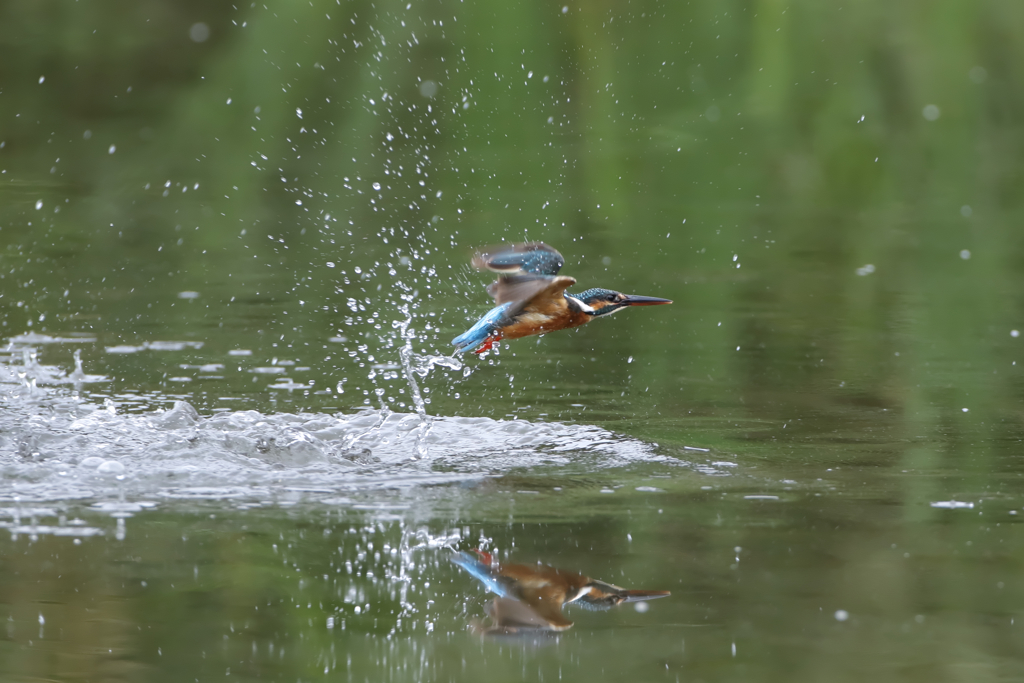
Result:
[[636, 300], [640, 596]]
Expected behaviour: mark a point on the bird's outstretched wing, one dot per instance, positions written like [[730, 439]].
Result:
[[527, 277], [546, 602], [512, 616], [542, 292], [548, 612], [535, 258]]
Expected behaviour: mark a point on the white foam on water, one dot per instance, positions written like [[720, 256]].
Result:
[[56, 446]]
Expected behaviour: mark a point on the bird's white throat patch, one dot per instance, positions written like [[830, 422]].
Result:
[[583, 307]]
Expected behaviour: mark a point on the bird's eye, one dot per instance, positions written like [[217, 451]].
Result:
[[611, 297]]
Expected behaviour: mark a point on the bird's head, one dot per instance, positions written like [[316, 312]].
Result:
[[605, 301]]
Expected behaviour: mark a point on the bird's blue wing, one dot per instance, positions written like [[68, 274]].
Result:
[[536, 258], [483, 328]]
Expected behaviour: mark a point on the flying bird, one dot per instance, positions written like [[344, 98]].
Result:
[[531, 297], [532, 596]]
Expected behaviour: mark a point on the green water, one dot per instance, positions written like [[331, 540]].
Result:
[[830, 192]]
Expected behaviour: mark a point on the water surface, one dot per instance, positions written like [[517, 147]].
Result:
[[234, 247]]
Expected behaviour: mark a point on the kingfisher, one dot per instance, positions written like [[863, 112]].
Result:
[[531, 297], [541, 591]]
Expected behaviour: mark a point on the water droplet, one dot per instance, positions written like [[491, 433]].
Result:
[[930, 112], [842, 615], [199, 32], [39, 204], [376, 186], [113, 148], [428, 89], [965, 254]]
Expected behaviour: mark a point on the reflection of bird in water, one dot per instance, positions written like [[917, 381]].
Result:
[[532, 297], [532, 596]]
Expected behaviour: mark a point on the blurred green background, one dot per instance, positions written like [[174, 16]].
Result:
[[831, 193], [835, 185], [746, 159]]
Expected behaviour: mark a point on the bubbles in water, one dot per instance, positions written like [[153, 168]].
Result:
[[111, 467]]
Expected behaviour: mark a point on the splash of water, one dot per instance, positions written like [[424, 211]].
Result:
[[413, 365]]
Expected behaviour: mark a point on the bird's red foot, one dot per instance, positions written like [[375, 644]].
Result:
[[485, 557], [488, 343]]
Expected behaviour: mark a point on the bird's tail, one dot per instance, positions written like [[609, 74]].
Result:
[[478, 334], [479, 568]]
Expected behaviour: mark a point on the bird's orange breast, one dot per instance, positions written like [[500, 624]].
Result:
[[539, 322]]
